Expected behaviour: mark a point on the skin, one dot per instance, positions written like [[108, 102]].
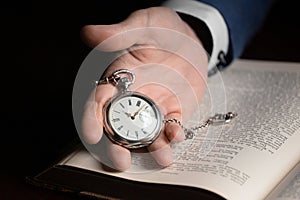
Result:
[[168, 102]]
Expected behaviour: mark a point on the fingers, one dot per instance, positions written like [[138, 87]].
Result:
[[92, 119], [173, 130], [119, 156], [91, 122], [93, 35], [92, 126], [161, 151]]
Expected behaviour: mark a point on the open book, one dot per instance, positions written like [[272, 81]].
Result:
[[256, 157]]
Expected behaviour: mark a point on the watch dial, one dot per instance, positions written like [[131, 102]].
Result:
[[133, 117]]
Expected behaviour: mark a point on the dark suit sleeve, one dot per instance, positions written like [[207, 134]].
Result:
[[224, 27], [243, 19]]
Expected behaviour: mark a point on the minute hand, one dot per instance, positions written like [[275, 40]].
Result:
[[137, 112]]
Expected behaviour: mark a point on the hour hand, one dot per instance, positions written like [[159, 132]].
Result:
[[128, 114]]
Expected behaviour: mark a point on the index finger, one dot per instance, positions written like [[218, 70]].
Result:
[[92, 119]]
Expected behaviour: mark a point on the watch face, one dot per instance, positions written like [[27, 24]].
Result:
[[133, 120]]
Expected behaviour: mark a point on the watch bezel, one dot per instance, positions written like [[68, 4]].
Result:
[[125, 142]]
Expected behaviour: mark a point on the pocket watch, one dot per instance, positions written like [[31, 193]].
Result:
[[133, 120]]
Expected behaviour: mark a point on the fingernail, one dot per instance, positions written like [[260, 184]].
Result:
[[179, 136], [120, 157], [92, 136], [177, 132], [163, 156]]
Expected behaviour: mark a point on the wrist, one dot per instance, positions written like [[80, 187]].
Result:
[[213, 28], [200, 30]]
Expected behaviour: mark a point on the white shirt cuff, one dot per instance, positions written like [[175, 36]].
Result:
[[214, 21]]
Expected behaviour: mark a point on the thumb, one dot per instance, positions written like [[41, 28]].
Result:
[[92, 35], [124, 37]]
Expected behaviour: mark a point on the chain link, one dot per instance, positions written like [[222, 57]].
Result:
[[217, 119], [115, 77], [110, 79]]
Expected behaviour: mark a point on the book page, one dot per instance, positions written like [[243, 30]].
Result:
[[292, 191], [289, 188], [251, 155]]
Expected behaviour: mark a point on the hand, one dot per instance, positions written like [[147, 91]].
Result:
[[169, 102]]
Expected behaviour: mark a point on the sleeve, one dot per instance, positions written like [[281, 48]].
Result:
[[228, 25]]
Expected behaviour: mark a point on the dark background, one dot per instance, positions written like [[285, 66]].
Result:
[[41, 51]]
